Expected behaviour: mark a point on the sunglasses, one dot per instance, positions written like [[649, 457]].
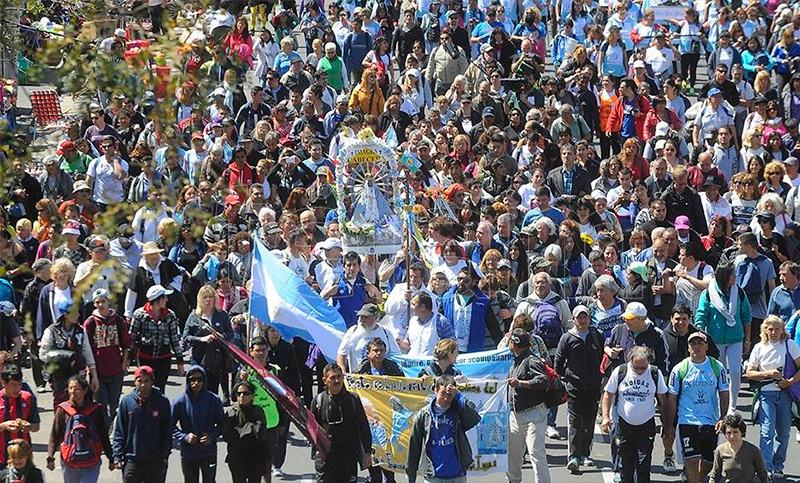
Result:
[[244, 393]]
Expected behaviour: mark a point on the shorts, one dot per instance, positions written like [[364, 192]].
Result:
[[698, 441]]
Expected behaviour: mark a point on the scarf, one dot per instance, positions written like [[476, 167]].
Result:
[[715, 297], [227, 300]]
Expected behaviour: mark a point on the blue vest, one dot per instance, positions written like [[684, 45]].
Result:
[[477, 325], [350, 301]]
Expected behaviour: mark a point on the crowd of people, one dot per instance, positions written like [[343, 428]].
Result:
[[602, 226]]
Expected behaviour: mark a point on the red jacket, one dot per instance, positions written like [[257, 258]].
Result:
[[618, 112], [652, 119]]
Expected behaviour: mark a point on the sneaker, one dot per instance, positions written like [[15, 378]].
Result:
[[552, 433], [617, 477], [797, 436], [573, 465], [277, 473], [587, 461], [41, 389], [777, 474], [669, 464]]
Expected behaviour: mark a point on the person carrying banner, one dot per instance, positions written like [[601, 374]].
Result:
[[439, 449], [528, 383], [342, 417]]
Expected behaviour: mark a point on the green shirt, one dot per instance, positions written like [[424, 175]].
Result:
[[264, 400], [79, 164]]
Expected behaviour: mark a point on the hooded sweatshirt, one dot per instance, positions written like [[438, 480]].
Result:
[[143, 428], [108, 336], [199, 414]]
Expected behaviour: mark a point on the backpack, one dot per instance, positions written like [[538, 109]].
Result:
[[748, 277], [547, 321], [81, 447], [432, 28], [623, 371]]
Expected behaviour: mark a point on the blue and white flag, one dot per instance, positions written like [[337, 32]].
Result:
[[283, 300], [492, 364], [390, 136]]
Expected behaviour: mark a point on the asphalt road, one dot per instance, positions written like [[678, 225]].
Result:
[[299, 466]]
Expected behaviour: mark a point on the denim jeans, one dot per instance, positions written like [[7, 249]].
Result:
[[80, 475], [109, 393], [776, 419]]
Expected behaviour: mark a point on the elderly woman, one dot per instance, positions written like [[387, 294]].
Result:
[[546, 231], [724, 313], [55, 294], [737, 459], [607, 309], [773, 363], [154, 269], [773, 203]]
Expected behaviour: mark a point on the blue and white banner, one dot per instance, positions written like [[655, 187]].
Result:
[[492, 364]]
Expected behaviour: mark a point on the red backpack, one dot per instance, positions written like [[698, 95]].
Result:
[[81, 446]]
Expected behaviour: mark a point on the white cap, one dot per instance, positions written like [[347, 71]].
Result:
[[599, 194], [639, 64], [121, 33], [635, 309], [329, 243], [413, 72], [662, 128], [660, 144], [157, 291]]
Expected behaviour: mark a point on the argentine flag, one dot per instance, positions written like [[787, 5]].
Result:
[[282, 300]]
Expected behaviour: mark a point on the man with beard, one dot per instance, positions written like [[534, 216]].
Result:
[[446, 62]]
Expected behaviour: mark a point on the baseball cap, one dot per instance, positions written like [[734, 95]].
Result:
[[71, 228], [487, 111], [765, 215], [146, 370], [714, 91], [65, 146], [369, 310], [100, 293], [97, 244], [521, 339], [272, 228], [791, 160], [580, 309], [329, 243], [639, 268], [486, 48], [233, 200], [120, 33], [662, 128], [529, 230], [713, 180], [698, 335], [635, 309], [413, 73], [53, 159], [682, 223], [639, 64], [451, 13], [342, 98], [504, 263], [660, 144], [156, 292]]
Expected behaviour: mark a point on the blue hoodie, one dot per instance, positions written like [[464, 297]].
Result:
[[201, 414], [143, 428]]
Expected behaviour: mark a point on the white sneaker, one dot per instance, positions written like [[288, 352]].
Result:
[[669, 465], [587, 461], [552, 433], [277, 473], [797, 436]]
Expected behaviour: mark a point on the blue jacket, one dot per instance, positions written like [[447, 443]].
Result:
[[143, 428], [350, 301], [482, 319], [201, 414], [356, 46]]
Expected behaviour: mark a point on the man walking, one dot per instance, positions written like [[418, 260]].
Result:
[[142, 437], [527, 382], [439, 448], [631, 390], [197, 417], [698, 397]]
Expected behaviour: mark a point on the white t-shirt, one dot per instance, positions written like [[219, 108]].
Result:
[[636, 399], [685, 292], [298, 265], [108, 190], [659, 59], [769, 356], [423, 337], [354, 344]]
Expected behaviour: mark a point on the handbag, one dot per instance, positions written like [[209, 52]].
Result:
[[789, 370]]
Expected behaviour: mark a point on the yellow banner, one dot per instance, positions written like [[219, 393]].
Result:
[[392, 403]]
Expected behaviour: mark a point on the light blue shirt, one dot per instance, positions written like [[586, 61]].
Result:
[[698, 404]]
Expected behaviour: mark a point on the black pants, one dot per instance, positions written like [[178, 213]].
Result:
[[161, 369], [582, 408], [635, 450], [145, 472], [378, 474], [335, 470], [281, 440], [608, 144], [247, 466], [193, 468], [156, 18], [36, 364], [689, 67]]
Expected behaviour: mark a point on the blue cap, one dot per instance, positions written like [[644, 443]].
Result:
[[487, 111], [714, 91]]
